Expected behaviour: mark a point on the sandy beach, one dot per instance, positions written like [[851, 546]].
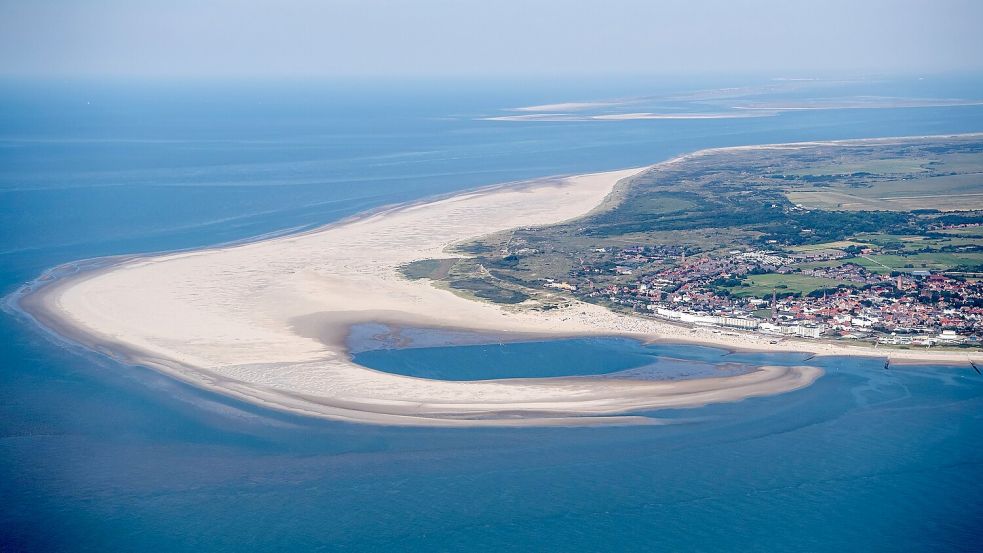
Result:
[[266, 321], [631, 116]]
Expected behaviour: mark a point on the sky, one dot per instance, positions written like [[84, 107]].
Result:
[[331, 38]]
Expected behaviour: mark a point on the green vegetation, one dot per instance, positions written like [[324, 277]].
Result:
[[821, 226], [930, 261], [898, 165], [976, 232], [837, 245], [934, 261], [929, 242], [761, 286], [487, 290], [882, 206], [663, 205], [468, 277], [947, 180], [435, 269]]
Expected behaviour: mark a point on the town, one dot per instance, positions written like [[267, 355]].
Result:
[[834, 296]]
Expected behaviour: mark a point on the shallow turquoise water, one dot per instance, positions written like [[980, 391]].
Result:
[[95, 456]]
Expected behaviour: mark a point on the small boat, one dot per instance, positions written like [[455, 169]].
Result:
[[887, 364], [975, 368]]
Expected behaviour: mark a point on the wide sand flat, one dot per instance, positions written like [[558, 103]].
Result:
[[266, 321]]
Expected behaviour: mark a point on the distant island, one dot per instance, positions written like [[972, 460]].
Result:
[[746, 248]]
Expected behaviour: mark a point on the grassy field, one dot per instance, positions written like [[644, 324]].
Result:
[[762, 285], [920, 179], [838, 245], [935, 261], [967, 231], [912, 243], [664, 204], [944, 192], [901, 243], [875, 166]]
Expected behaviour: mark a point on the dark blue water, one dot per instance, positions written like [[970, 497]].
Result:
[[95, 456], [614, 357]]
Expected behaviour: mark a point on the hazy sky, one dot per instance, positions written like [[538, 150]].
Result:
[[488, 37]]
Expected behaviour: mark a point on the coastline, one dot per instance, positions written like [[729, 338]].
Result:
[[266, 321]]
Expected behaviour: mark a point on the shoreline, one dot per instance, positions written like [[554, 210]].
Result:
[[265, 321]]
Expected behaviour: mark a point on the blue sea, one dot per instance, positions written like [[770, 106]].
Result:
[[96, 456]]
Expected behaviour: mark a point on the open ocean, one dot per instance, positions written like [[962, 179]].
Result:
[[95, 456]]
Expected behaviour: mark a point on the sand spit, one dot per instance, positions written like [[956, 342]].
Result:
[[630, 116], [266, 321]]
